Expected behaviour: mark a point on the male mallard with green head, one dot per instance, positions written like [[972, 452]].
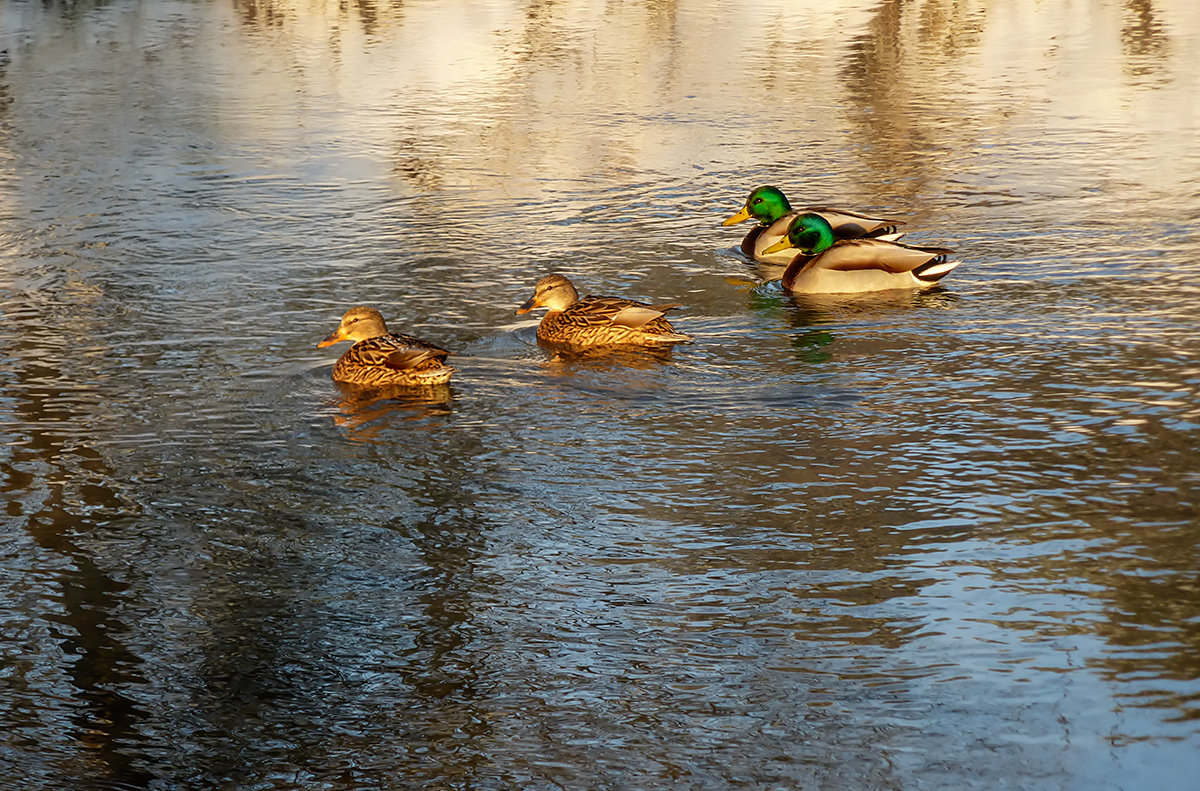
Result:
[[824, 264], [774, 213]]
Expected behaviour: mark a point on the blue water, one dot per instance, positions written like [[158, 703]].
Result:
[[940, 540]]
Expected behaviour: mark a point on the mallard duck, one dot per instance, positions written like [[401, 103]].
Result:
[[770, 207], [597, 321], [381, 358], [826, 265]]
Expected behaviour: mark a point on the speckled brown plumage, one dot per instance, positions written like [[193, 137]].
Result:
[[598, 321], [380, 358]]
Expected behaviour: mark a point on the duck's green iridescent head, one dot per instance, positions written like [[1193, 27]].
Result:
[[809, 233], [765, 204]]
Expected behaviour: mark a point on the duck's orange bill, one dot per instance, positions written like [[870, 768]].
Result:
[[332, 339]]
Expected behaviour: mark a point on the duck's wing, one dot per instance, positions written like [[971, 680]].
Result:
[[855, 254], [635, 316], [853, 225], [592, 311], [396, 351], [596, 313]]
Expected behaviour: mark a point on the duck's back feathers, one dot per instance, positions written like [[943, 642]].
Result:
[[393, 359], [610, 321], [852, 225], [858, 265], [845, 224], [851, 254]]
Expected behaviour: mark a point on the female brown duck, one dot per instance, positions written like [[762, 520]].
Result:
[[381, 358], [597, 321]]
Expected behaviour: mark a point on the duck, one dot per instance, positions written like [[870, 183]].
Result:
[[593, 322], [380, 358], [771, 208], [824, 264]]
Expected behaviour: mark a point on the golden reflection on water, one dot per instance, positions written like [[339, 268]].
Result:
[[611, 359], [919, 83], [366, 412], [1005, 460]]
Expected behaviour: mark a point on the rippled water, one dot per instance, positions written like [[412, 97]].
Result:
[[939, 540]]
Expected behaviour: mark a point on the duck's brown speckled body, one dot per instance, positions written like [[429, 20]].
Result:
[[597, 321], [380, 358]]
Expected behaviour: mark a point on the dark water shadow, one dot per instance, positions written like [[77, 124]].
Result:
[[1144, 41], [372, 15], [448, 671], [63, 494]]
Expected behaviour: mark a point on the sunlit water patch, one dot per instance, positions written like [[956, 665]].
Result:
[[915, 540]]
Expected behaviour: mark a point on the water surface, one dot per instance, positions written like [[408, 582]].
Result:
[[937, 540]]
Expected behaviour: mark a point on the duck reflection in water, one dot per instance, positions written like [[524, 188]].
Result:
[[819, 319], [369, 410], [809, 309], [383, 372], [608, 358]]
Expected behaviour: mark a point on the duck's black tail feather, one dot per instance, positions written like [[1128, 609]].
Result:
[[935, 270]]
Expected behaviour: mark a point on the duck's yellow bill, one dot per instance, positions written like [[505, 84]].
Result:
[[744, 214], [782, 244]]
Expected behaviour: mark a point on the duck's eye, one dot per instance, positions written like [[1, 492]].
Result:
[[757, 200]]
